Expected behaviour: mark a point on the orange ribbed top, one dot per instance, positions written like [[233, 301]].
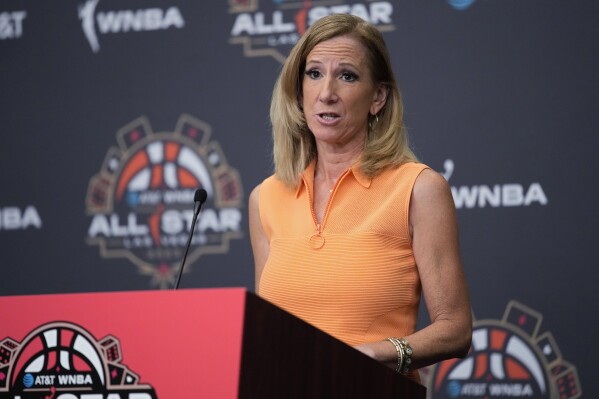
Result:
[[356, 279]]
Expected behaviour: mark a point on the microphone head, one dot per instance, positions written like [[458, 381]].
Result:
[[200, 196]]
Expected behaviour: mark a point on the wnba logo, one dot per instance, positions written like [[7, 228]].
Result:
[[142, 199], [63, 360], [508, 359]]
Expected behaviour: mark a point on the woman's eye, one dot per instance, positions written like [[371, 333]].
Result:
[[313, 74], [349, 76]]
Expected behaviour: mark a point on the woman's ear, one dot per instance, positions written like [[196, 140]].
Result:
[[379, 99]]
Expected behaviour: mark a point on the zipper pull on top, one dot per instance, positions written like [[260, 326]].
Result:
[[316, 239]]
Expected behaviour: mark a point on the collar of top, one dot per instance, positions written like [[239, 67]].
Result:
[[308, 177]]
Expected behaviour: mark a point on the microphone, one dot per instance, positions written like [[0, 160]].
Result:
[[199, 198]]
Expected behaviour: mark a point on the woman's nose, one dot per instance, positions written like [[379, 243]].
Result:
[[328, 91]]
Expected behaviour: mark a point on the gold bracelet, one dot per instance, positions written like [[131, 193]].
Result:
[[406, 350], [399, 350]]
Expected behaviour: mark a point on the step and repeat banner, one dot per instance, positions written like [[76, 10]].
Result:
[[112, 113]]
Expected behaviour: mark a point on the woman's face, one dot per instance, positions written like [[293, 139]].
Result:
[[338, 92]]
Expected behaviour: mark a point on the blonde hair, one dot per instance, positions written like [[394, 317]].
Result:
[[294, 146]]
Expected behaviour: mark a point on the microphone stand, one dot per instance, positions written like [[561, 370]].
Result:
[[199, 198]]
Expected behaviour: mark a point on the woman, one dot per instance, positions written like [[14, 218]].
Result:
[[350, 228]]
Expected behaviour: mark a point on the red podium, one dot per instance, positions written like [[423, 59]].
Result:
[[211, 343]]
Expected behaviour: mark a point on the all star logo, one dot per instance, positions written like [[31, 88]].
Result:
[[272, 28], [141, 201], [62, 360], [510, 357]]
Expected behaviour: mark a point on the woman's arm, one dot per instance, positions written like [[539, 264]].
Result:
[[260, 245], [433, 224]]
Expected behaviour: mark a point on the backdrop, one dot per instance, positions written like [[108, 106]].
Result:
[[112, 112]]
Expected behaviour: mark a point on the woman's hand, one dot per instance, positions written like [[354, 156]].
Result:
[[383, 351]]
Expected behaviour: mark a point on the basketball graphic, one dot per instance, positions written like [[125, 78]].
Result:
[[59, 350], [141, 202], [62, 358], [162, 165], [507, 359]]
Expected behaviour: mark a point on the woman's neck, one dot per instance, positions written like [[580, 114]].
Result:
[[330, 165]]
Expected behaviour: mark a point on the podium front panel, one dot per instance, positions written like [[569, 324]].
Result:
[[135, 345]]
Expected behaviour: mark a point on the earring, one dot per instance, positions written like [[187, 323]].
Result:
[[373, 121]]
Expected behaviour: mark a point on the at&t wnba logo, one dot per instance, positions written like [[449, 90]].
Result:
[[63, 361], [141, 201], [508, 358]]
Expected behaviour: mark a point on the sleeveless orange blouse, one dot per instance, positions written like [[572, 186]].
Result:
[[353, 276]]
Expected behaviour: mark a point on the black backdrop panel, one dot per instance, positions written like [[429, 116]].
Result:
[[102, 97]]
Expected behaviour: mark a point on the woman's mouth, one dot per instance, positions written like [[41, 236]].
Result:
[[328, 116]]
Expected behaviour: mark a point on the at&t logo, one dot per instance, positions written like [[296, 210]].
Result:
[[461, 4], [11, 24], [141, 201]]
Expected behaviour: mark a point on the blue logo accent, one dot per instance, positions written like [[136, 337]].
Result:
[[28, 380], [454, 389], [133, 198], [460, 4]]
